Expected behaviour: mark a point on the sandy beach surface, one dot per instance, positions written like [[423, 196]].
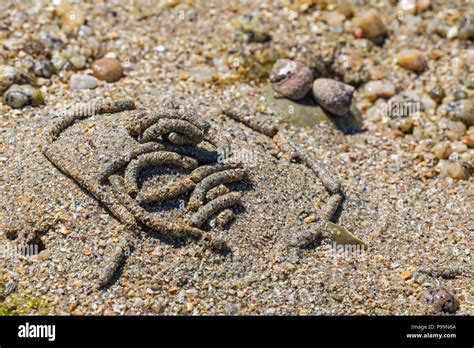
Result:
[[414, 216]]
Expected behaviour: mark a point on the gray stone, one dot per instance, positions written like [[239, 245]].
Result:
[[82, 82]]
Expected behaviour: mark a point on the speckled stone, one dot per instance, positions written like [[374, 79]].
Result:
[[19, 96], [332, 95], [440, 299], [291, 79], [108, 69]]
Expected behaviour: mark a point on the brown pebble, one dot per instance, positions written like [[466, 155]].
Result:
[[406, 275], [437, 93], [107, 69], [310, 218], [412, 59], [469, 141], [455, 170], [441, 150], [371, 25], [291, 79], [332, 95]]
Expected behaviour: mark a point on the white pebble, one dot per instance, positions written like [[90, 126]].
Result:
[[82, 82]]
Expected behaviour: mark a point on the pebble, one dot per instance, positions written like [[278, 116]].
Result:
[[19, 96], [72, 16], [402, 124], [43, 255], [107, 69], [332, 95], [407, 6], [442, 150], [437, 93], [406, 275], [458, 147], [371, 25], [82, 82], [138, 302], [468, 140], [78, 61], [456, 130], [423, 5], [460, 94], [85, 31], [10, 75], [452, 33], [41, 81], [462, 110], [291, 79], [159, 307], [428, 105], [440, 299], [467, 157], [466, 31], [160, 48], [455, 170], [469, 81], [58, 60], [412, 59], [379, 89], [43, 68]]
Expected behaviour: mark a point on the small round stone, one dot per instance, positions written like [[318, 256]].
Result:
[[291, 79], [469, 81], [407, 6], [402, 124], [78, 61], [455, 170], [10, 75], [440, 299], [468, 140], [43, 68], [466, 31], [423, 5], [107, 69], [460, 94], [82, 82], [332, 95], [455, 130], [412, 59], [19, 96], [371, 25], [437, 93], [442, 150], [462, 110], [379, 89], [459, 147]]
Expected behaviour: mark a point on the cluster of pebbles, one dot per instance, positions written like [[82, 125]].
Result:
[[73, 55], [406, 180]]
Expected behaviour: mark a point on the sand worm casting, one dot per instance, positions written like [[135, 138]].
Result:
[[155, 138]]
